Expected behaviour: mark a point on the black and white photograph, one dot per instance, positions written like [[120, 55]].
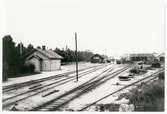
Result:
[[83, 55]]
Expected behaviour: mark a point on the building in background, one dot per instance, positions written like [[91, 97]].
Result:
[[141, 57], [97, 59]]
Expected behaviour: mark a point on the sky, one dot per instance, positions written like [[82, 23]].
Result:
[[117, 26]]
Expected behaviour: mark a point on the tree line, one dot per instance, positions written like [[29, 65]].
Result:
[[14, 61], [70, 55]]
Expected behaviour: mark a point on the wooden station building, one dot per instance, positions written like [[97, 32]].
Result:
[[44, 60]]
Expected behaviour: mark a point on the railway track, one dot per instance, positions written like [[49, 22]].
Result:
[[54, 78], [146, 80], [65, 98], [31, 82], [22, 96]]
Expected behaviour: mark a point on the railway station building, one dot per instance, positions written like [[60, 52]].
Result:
[[44, 60]]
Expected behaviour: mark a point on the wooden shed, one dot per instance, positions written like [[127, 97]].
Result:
[[44, 60]]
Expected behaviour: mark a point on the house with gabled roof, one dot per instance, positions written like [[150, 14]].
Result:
[[96, 58], [44, 60]]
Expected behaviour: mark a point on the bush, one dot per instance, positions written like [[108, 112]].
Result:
[[27, 68], [162, 75], [118, 62], [108, 61], [135, 71], [107, 107], [31, 67], [150, 98], [156, 65]]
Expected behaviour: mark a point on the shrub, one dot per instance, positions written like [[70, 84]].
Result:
[[162, 75], [118, 62], [150, 98], [31, 67], [135, 71], [108, 61], [27, 68], [107, 107], [156, 65]]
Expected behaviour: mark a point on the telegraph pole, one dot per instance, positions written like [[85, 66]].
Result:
[[76, 54], [165, 25]]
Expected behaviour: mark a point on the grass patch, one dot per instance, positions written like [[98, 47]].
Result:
[[107, 107], [148, 98]]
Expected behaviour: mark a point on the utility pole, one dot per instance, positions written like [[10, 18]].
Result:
[[165, 26], [76, 55]]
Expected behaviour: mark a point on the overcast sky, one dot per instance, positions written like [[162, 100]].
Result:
[[119, 26]]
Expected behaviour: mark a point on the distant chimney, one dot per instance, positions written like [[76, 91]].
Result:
[[43, 48]]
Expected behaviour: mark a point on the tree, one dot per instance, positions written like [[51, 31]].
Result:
[[21, 49], [10, 57], [69, 55], [13, 58], [30, 47]]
